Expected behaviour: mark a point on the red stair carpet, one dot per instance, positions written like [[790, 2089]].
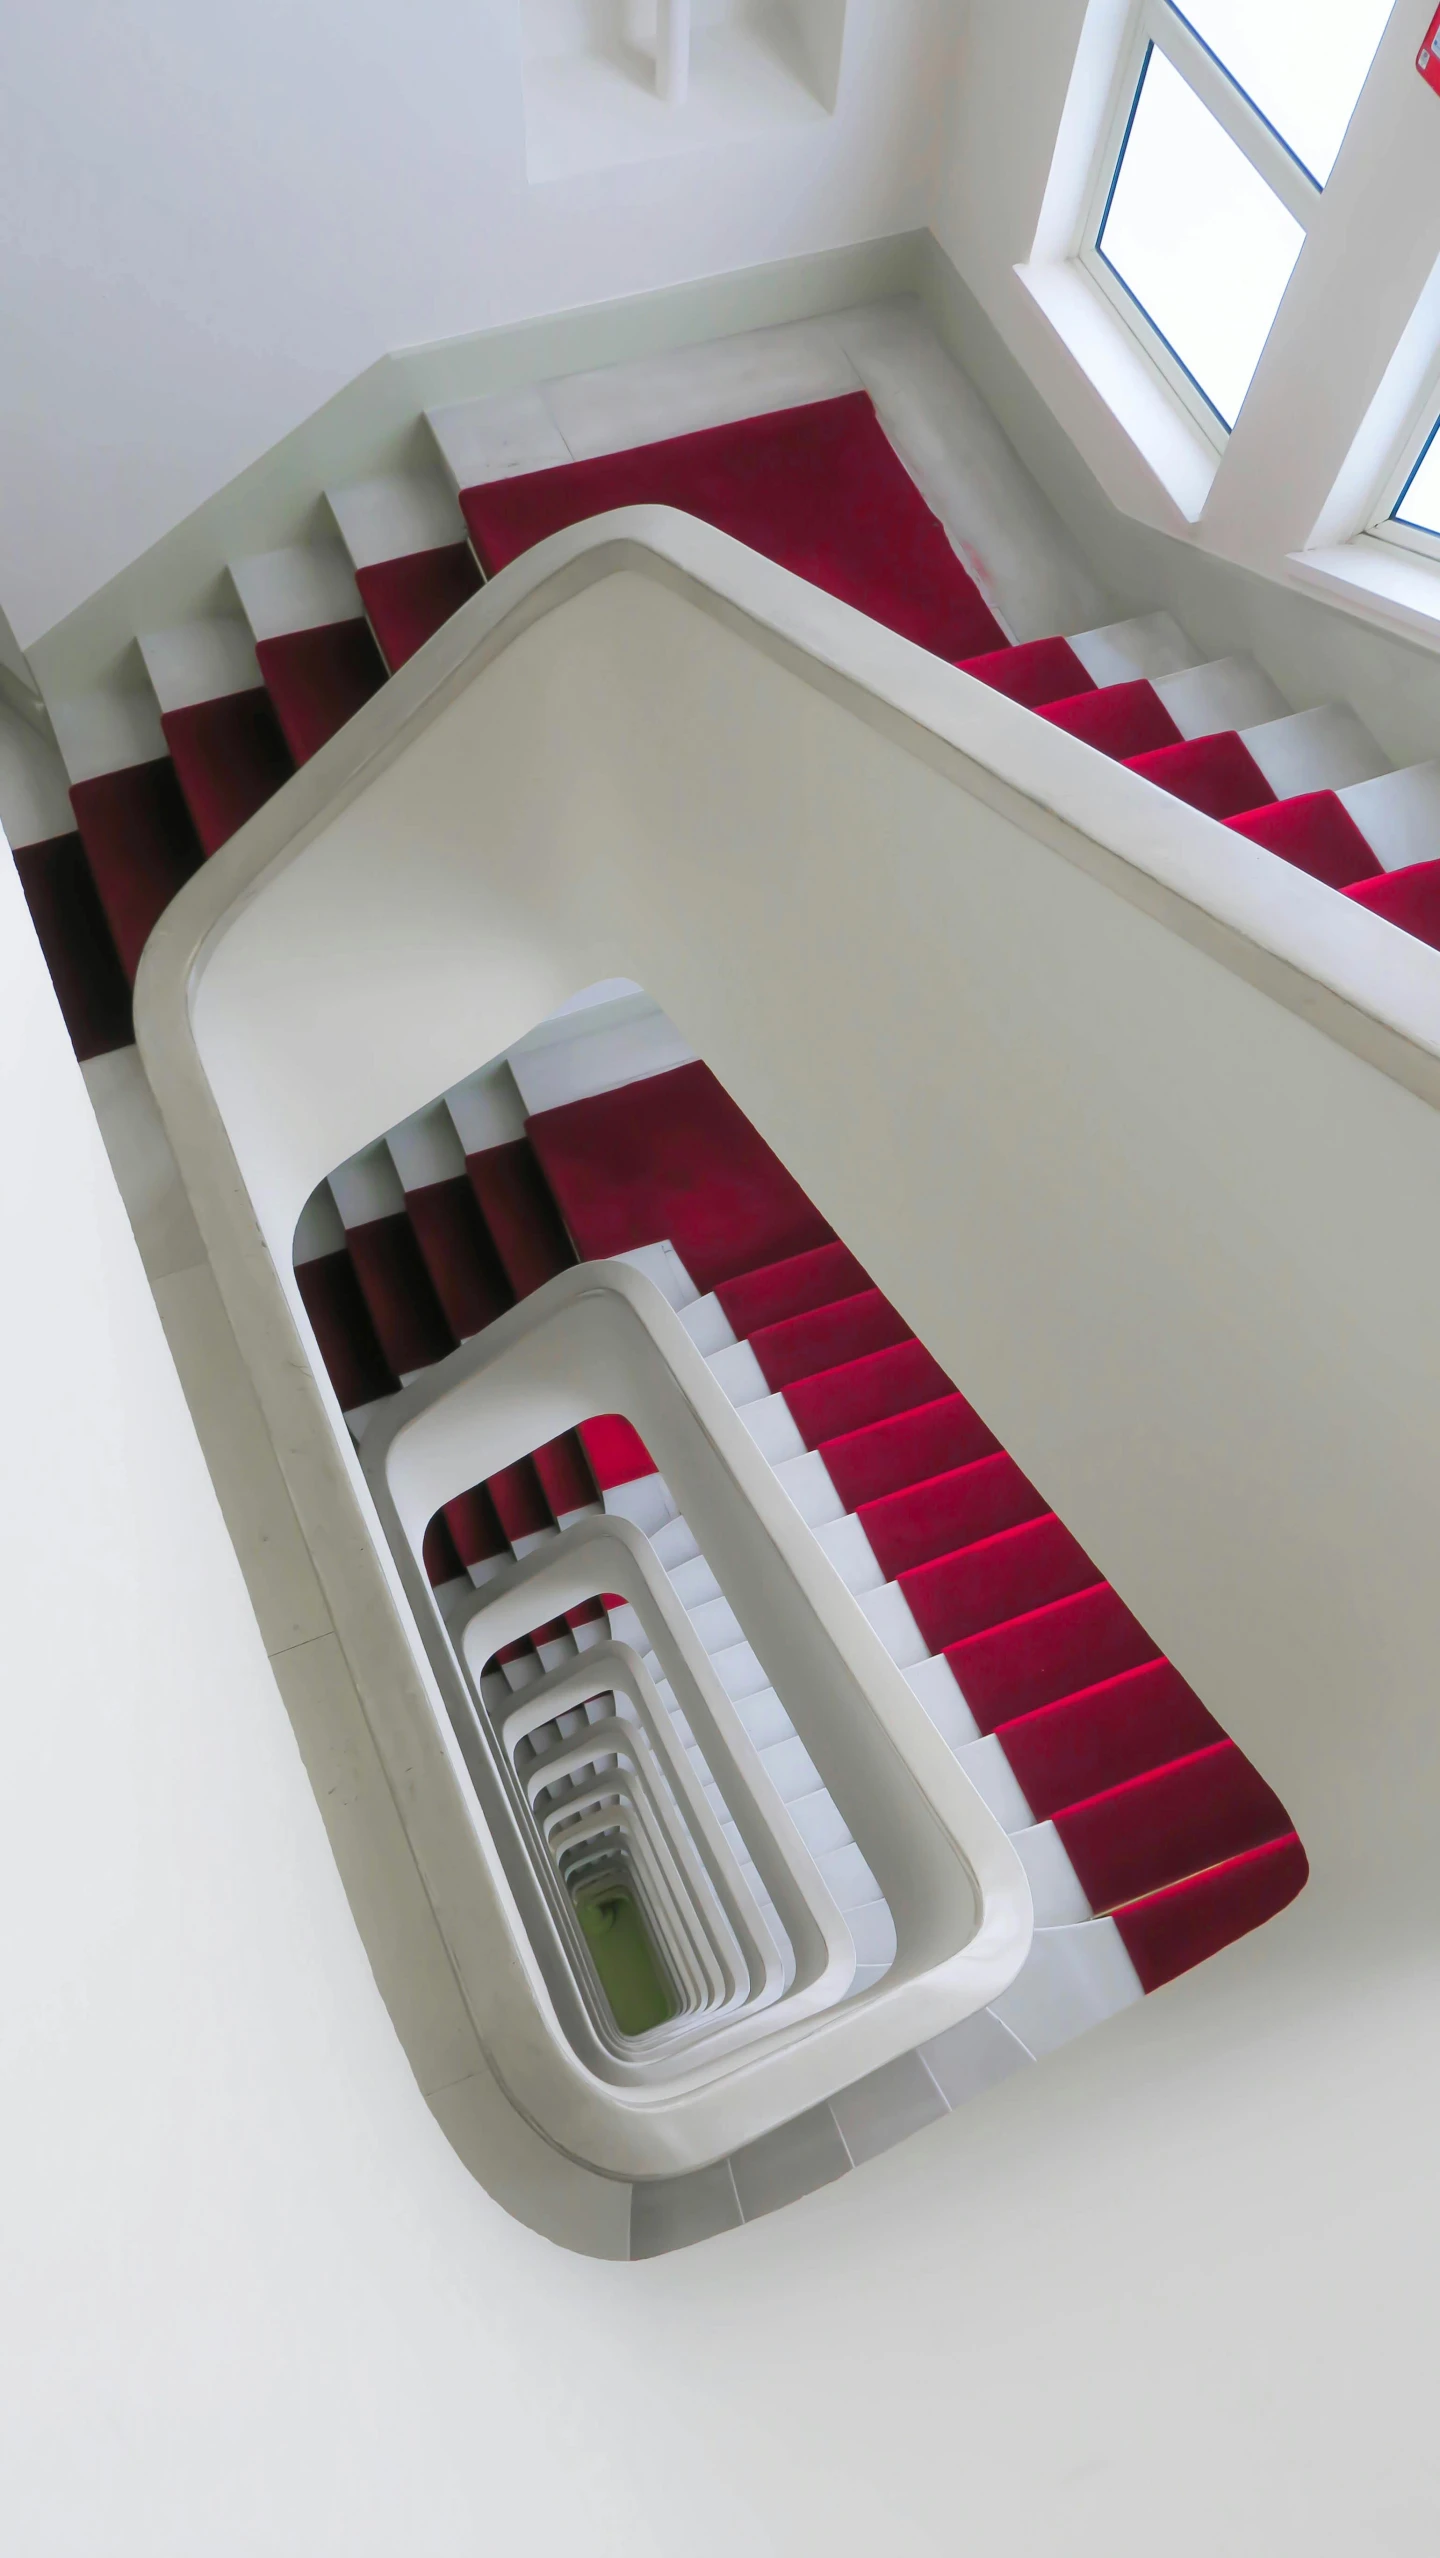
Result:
[[1168, 1827], [820, 489]]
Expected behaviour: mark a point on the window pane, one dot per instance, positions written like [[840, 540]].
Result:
[[1420, 502], [1302, 61], [1197, 237]]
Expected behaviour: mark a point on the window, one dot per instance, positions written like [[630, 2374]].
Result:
[[1230, 118], [1414, 517]]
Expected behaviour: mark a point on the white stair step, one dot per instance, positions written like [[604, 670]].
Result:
[[709, 1326], [818, 1819], [1055, 1887], [301, 588], [934, 1683], [693, 1582], [674, 1541], [648, 1503], [850, 1551], [201, 661], [973, 2055], [1150, 645], [487, 1110], [1231, 692], [1314, 750], [994, 1780], [496, 438], [740, 1374], [521, 1673], [791, 1770], [1072, 1978], [847, 1877], [889, 1612], [426, 1148], [740, 1671], [108, 729], [530, 1544], [773, 1428], [873, 1930], [717, 1625], [393, 517], [1399, 815], [681, 391], [865, 1977], [626, 1627], [627, 1043], [321, 1228], [367, 1187], [765, 1718], [807, 1481]]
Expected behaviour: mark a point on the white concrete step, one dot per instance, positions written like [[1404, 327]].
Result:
[[367, 1187], [1074, 1977], [497, 438], [601, 1049], [934, 1683], [709, 1326], [1229, 692], [393, 517], [807, 1481], [739, 1373], [1055, 1887], [487, 1109], [426, 1148], [844, 1541], [1149, 645], [994, 1780], [889, 1612], [301, 588], [773, 1428], [201, 661], [1314, 750], [1399, 815]]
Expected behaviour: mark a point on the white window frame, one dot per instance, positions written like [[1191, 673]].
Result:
[[1161, 26], [1383, 527]]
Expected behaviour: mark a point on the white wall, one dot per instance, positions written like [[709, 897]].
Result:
[[210, 223]]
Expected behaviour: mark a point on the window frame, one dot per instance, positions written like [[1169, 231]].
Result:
[[1162, 26], [1384, 527]]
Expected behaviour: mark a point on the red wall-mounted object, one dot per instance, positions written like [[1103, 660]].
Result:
[[1427, 60]]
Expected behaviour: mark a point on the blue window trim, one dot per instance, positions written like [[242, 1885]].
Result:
[[1413, 521], [1127, 288], [1242, 92]]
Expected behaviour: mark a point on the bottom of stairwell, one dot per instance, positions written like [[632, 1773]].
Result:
[[626, 1962]]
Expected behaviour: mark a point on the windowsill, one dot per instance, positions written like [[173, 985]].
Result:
[[1174, 452], [1379, 581]]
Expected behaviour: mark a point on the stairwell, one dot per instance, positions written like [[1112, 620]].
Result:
[[1147, 1839]]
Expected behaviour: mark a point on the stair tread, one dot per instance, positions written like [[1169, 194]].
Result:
[[409, 599], [79, 948], [230, 758], [818, 488], [318, 679], [141, 847]]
